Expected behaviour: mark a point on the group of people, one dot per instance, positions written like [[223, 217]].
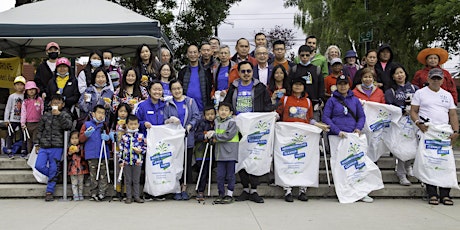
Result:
[[104, 104]]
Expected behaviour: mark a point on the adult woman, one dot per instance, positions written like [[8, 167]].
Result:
[[150, 112], [183, 110], [279, 84], [130, 90], [84, 77], [400, 95], [98, 93], [344, 114], [332, 52], [367, 90], [370, 62], [297, 108], [63, 83], [433, 58], [145, 63], [167, 74]]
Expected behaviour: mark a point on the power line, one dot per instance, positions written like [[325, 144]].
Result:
[[237, 19]]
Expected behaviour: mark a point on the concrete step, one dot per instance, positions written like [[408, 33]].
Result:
[[17, 163], [17, 176], [390, 190]]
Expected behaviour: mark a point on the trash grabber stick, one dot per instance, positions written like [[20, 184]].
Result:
[[26, 131], [185, 159], [115, 165], [121, 173], [10, 130], [100, 160], [210, 170], [202, 164], [325, 161], [107, 164]]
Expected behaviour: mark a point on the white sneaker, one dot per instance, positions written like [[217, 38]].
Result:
[[404, 181], [367, 199], [410, 171]]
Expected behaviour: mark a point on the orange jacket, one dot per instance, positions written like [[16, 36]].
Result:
[[377, 94], [293, 109]]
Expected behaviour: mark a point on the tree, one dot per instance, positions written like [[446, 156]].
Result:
[[279, 33], [408, 26]]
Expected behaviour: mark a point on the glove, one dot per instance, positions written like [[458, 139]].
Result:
[[209, 134], [112, 135], [105, 137], [173, 120], [89, 131]]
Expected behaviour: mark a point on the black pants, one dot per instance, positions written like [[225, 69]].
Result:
[[433, 191], [247, 179]]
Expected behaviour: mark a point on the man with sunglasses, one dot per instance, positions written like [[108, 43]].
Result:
[[312, 76], [247, 94]]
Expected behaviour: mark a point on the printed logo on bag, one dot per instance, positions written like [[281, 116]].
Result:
[[162, 152], [262, 129], [384, 120], [298, 142], [355, 154], [408, 128], [438, 144]]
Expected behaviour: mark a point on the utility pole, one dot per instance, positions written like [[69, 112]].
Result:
[[366, 7]]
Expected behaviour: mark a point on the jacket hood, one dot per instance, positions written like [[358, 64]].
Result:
[[381, 48]]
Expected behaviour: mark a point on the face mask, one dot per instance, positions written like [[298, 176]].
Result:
[[132, 130], [308, 63], [63, 75], [107, 62], [97, 121], [100, 86], [53, 55], [367, 86], [95, 63]]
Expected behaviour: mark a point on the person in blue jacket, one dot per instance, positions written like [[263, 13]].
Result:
[[183, 110], [150, 112]]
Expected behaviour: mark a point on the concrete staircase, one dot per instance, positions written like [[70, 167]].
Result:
[[17, 181]]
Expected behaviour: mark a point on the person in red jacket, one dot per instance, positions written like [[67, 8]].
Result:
[[433, 58], [367, 90]]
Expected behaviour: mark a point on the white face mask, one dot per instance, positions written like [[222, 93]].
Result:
[[107, 62], [132, 130]]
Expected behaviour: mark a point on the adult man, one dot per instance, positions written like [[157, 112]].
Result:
[[313, 78], [242, 52], [196, 79], [221, 74], [433, 58], [316, 58], [165, 56], [45, 71], [215, 44], [384, 66], [113, 71], [248, 95], [437, 105], [279, 47], [262, 70], [261, 40], [206, 59]]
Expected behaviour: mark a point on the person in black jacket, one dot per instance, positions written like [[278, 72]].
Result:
[[63, 83], [45, 71]]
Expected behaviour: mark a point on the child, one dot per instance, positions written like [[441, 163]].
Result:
[[330, 80], [13, 115], [31, 112], [50, 142], [118, 129], [78, 167], [226, 137], [132, 150], [206, 124], [92, 133]]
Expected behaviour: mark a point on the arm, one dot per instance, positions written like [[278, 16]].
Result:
[[414, 109], [82, 138], [453, 120], [195, 114], [360, 114], [23, 114], [73, 98], [231, 131], [199, 133], [8, 106], [327, 116], [65, 120], [81, 81]]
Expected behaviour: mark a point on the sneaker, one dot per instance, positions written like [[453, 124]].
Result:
[[76, 198], [367, 199], [128, 201], [159, 198], [138, 200], [81, 198], [288, 198], [101, 197], [23, 154], [410, 171], [256, 198], [200, 196], [177, 196], [94, 198], [11, 156], [302, 197], [404, 181], [185, 196], [244, 196], [227, 200], [49, 197], [218, 200]]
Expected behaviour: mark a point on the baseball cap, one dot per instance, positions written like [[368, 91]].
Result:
[[336, 60], [435, 72], [51, 44], [19, 79], [342, 78]]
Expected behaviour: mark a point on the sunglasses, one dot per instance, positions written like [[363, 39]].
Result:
[[243, 71], [305, 55]]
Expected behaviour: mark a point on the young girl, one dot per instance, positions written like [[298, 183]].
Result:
[[167, 74], [278, 84], [31, 112], [118, 128], [77, 166]]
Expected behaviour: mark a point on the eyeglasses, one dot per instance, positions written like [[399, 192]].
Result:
[[279, 49], [265, 54], [305, 55], [243, 71]]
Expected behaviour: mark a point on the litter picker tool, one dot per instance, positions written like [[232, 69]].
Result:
[[103, 151], [202, 164]]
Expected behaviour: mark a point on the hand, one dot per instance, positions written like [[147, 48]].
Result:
[[112, 135], [6, 123], [23, 126], [147, 125], [422, 127], [322, 126], [357, 131], [188, 128], [37, 148], [43, 95], [209, 134], [137, 150], [173, 120], [277, 117], [89, 131], [105, 137], [138, 163], [453, 137], [55, 112], [342, 134]]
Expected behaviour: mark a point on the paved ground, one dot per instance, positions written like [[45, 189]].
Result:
[[274, 214]]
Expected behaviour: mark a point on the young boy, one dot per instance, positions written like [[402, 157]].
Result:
[[131, 155], [226, 138], [91, 134], [50, 142], [329, 81], [206, 124], [13, 115]]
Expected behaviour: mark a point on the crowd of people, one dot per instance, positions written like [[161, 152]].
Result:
[[103, 104]]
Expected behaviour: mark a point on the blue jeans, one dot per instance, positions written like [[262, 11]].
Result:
[[225, 170], [52, 157]]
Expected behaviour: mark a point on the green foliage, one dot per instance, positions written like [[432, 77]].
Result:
[[408, 26], [278, 33]]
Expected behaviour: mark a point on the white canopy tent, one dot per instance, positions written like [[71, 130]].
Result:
[[78, 26]]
